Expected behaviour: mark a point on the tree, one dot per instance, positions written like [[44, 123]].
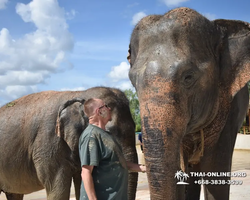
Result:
[[134, 108]]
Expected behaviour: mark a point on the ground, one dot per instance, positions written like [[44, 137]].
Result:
[[241, 163]]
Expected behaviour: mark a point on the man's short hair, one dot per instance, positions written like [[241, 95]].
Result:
[[89, 107]]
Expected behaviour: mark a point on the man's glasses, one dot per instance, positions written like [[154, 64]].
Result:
[[105, 105]]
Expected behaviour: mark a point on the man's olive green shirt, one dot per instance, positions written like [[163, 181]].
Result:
[[110, 175]]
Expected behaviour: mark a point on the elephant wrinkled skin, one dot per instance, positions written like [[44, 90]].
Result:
[[39, 141], [190, 75]]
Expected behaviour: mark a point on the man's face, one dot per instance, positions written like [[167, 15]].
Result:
[[104, 111]]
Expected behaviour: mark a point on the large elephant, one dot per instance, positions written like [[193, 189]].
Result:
[[190, 75], [39, 141]]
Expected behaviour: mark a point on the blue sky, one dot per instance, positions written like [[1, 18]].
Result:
[[77, 44]]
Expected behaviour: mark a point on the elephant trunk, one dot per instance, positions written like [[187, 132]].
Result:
[[163, 128], [133, 177]]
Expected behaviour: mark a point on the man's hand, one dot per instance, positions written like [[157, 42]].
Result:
[[133, 167], [88, 181]]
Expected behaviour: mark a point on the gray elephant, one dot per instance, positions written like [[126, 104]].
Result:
[[190, 75], [39, 141]]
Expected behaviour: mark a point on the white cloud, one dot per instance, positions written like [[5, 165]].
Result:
[[125, 85], [119, 77], [74, 89], [30, 59], [119, 72], [210, 16], [172, 3], [3, 4], [122, 85], [137, 17], [133, 5], [71, 14], [24, 78], [14, 92]]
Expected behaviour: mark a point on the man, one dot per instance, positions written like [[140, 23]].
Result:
[[104, 169], [140, 139]]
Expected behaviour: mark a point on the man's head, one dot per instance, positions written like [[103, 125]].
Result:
[[97, 110]]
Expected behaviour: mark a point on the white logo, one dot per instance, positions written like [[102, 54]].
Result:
[[181, 176]]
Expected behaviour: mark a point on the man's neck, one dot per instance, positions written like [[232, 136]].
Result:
[[99, 124]]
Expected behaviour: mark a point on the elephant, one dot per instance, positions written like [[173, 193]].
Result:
[[190, 75], [39, 136]]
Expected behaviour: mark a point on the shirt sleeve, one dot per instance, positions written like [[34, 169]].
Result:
[[89, 152]]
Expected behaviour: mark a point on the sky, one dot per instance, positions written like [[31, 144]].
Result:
[[77, 44]]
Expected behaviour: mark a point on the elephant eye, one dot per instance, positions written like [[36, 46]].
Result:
[[189, 79]]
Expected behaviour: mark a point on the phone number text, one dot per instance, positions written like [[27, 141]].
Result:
[[219, 182]]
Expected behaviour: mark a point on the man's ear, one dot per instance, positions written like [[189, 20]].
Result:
[[98, 111], [103, 113]]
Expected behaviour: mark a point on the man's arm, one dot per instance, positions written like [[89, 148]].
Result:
[[133, 167], [88, 181]]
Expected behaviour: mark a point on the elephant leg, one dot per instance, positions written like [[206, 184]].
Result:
[[59, 190], [180, 192], [216, 192], [11, 196], [220, 161], [58, 186], [218, 158], [193, 190], [77, 183]]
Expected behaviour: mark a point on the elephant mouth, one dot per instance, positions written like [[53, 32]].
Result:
[[194, 145]]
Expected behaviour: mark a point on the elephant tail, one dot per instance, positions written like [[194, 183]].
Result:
[[59, 129]]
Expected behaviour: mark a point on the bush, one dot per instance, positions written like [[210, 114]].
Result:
[[244, 130], [138, 128]]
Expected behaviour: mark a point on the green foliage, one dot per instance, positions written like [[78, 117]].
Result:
[[138, 128], [134, 107], [10, 104]]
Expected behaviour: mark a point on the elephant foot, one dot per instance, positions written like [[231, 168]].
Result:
[[11, 196]]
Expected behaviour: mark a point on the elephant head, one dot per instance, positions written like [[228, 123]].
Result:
[[70, 123], [186, 71]]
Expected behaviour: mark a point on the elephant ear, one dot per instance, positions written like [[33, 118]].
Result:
[[71, 115], [235, 54]]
